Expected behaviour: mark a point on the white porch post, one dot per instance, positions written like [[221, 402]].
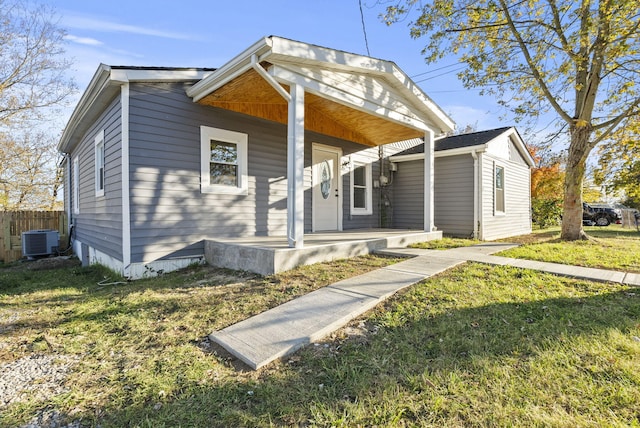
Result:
[[429, 225], [295, 168]]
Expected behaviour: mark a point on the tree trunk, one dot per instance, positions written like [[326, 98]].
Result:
[[574, 176]]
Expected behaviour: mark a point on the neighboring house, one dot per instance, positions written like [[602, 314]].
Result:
[[282, 140], [482, 185]]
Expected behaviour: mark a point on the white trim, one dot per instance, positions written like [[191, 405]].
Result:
[[461, 151], [406, 158], [295, 168], [351, 99], [76, 185], [270, 80], [127, 75], [513, 135], [284, 52], [138, 270], [429, 177], [126, 191], [232, 69], [99, 150], [240, 139], [368, 177], [441, 153], [104, 85]]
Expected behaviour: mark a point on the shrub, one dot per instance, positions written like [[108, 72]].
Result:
[[546, 212]]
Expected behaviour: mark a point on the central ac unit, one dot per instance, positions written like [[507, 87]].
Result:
[[40, 242]]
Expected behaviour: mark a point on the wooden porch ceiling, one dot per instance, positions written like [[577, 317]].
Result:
[[251, 94]]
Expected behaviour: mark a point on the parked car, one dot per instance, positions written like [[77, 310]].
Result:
[[600, 215]]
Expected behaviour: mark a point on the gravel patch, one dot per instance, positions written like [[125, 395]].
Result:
[[38, 377]]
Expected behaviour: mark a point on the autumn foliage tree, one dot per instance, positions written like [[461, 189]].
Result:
[[547, 178], [577, 60]]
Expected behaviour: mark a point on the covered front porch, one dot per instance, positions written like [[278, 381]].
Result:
[[312, 89], [272, 254]]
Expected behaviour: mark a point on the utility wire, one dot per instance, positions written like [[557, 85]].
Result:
[[455, 64], [364, 29], [441, 74]]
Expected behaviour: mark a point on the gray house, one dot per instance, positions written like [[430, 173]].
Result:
[[285, 140], [482, 185]]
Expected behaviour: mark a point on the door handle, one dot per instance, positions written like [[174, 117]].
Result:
[[337, 193]]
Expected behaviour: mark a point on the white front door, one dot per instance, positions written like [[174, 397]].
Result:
[[327, 189]]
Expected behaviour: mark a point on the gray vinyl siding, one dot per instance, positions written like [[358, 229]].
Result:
[[408, 195], [453, 197], [170, 217], [516, 219], [99, 222]]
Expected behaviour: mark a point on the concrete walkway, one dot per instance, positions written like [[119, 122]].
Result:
[[261, 339]]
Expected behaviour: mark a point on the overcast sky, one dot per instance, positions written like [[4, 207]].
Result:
[[199, 33]]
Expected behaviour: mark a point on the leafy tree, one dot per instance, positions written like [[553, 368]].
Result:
[[576, 60], [32, 84], [619, 163]]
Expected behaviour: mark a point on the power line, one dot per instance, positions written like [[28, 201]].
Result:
[[455, 64], [441, 74], [364, 29]]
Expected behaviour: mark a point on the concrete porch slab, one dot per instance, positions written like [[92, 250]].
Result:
[[269, 255]]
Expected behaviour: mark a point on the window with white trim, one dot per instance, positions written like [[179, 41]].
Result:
[[100, 164], [361, 189], [223, 161], [76, 186], [499, 189]]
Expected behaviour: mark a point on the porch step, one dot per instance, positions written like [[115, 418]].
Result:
[[270, 255]]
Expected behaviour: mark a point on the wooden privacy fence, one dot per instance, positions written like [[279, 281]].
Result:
[[13, 223]]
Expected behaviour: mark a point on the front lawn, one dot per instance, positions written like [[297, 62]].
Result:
[[475, 346], [609, 248]]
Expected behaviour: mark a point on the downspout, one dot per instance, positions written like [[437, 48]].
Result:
[[68, 192], [476, 231], [480, 198], [126, 191]]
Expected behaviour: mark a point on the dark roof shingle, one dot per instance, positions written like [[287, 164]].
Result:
[[459, 141]]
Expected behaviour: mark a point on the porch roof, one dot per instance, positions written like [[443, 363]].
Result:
[[348, 96]]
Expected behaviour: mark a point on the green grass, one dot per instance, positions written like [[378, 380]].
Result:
[[475, 346], [610, 248], [445, 243]]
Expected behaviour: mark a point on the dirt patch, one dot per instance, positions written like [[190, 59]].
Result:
[[47, 263]]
